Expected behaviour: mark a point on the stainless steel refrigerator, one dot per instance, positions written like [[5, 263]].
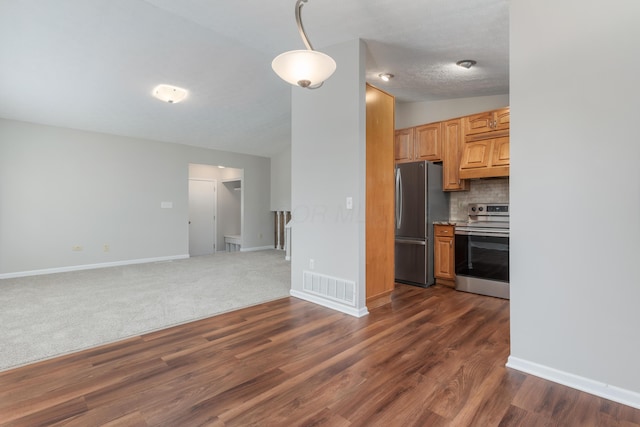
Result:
[[419, 202]]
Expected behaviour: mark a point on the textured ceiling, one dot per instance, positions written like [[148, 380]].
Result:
[[92, 64]]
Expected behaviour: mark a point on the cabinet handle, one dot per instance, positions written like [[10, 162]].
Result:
[[450, 244]]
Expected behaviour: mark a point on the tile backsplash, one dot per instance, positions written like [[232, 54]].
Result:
[[482, 191]]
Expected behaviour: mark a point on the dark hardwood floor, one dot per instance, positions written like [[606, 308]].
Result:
[[433, 357]]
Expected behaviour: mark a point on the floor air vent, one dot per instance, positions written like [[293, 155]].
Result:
[[333, 288]]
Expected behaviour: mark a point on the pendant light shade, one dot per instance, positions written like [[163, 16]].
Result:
[[305, 68]]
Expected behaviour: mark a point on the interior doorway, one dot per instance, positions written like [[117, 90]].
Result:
[[228, 212], [202, 216]]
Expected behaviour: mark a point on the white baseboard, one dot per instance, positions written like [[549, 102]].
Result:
[[607, 391], [90, 266], [352, 311], [257, 248]]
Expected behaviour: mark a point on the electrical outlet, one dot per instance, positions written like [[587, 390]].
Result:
[[77, 248], [105, 248], [312, 264]]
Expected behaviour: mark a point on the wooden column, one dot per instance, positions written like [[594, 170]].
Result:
[[380, 271]]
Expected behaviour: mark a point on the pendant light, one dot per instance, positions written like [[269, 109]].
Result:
[[305, 68]]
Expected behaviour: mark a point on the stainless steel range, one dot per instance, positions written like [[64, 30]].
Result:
[[482, 250]]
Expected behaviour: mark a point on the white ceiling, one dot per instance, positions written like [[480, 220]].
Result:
[[92, 64]]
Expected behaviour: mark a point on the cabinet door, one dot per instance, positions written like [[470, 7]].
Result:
[[476, 154], [485, 158], [428, 142], [403, 146], [479, 123], [452, 144], [502, 119], [444, 265], [500, 156], [488, 121]]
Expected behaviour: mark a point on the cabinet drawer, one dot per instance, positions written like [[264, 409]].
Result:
[[443, 230]]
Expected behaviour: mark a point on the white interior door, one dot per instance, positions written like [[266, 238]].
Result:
[[202, 217]]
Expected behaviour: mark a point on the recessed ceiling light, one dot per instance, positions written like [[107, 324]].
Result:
[[170, 94], [386, 76], [466, 63]]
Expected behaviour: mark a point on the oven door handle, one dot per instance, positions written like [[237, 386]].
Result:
[[482, 233]]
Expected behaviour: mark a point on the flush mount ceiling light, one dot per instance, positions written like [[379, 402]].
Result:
[[170, 94], [466, 63], [386, 76], [305, 68]]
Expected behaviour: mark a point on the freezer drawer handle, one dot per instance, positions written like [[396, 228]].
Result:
[[412, 242]]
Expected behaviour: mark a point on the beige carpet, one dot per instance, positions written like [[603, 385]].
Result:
[[49, 315]]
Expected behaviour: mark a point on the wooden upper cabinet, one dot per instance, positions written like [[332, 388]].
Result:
[[428, 142], [475, 146], [488, 121], [418, 143], [476, 154], [403, 146], [486, 148], [500, 155], [452, 145], [503, 117], [485, 158]]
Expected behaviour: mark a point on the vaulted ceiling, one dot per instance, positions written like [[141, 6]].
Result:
[[92, 64]]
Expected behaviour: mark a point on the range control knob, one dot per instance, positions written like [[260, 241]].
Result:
[[480, 208], [473, 209]]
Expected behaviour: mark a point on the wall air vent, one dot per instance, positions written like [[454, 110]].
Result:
[[333, 288]]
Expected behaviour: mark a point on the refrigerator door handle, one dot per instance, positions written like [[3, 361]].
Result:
[[399, 198]]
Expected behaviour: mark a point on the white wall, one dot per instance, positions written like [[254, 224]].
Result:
[[281, 180], [410, 114], [328, 164], [61, 188], [575, 193]]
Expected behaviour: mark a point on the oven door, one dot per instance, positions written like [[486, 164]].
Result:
[[482, 262]]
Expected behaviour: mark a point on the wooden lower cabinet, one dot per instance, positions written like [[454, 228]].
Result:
[[444, 252]]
